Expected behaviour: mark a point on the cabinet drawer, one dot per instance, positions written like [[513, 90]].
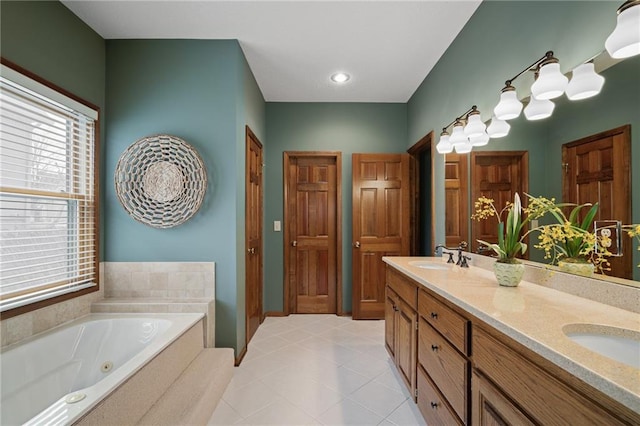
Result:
[[449, 323], [432, 405], [406, 289], [447, 368]]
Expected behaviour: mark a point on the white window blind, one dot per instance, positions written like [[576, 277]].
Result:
[[47, 201]]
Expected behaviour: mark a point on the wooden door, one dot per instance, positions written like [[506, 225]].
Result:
[[312, 232], [456, 187], [597, 169], [497, 175], [381, 210], [253, 233]]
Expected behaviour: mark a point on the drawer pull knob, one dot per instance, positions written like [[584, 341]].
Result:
[[434, 348], [434, 315], [434, 405]]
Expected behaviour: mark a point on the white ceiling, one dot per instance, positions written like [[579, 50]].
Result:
[[293, 47]]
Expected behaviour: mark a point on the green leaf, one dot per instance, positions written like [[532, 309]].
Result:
[[588, 219]]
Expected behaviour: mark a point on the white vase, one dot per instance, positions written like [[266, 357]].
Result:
[[584, 269], [508, 274]]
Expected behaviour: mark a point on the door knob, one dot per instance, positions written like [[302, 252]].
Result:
[[294, 243], [357, 244], [251, 250]]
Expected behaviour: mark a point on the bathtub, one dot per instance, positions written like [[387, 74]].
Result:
[[58, 376]]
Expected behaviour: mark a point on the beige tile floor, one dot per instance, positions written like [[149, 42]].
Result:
[[317, 370]]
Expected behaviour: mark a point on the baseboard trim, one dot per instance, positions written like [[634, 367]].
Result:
[[240, 356], [274, 314]]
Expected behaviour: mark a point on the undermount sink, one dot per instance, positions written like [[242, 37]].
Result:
[[427, 264], [619, 344]]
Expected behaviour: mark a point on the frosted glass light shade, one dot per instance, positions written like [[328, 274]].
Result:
[[481, 140], [550, 83], [457, 136], [585, 82], [509, 106], [498, 128], [463, 148], [475, 126], [624, 41], [538, 109], [444, 146]]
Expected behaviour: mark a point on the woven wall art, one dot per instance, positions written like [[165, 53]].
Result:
[[160, 181]]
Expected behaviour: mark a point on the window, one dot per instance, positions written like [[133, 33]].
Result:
[[48, 205]]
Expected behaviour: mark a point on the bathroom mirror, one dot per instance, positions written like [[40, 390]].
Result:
[[617, 105]]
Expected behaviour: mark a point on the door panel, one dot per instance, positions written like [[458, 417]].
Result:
[[497, 175], [381, 209], [312, 218], [456, 206], [597, 169], [253, 233]]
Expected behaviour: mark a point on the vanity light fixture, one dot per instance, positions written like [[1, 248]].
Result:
[[475, 127], [550, 82], [340, 77], [624, 41], [457, 136], [444, 146], [498, 128], [459, 140], [585, 82], [509, 106], [538, 109]]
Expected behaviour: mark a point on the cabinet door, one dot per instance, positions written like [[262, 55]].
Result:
[[491, 408], [390, 322], [406, 344]]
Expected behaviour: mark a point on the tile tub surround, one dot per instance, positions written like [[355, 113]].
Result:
[[160, 287], [159, 280], [534, 316], [23, 326]]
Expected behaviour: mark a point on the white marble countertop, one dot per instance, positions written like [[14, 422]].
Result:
[[534, 316]]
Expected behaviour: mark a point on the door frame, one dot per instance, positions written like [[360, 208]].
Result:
[[424, 144], [288, 156], [249, 135]]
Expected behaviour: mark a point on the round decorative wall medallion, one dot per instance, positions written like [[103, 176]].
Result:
[[160, 181]]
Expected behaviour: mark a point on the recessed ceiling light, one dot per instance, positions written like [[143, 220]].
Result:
[[340, 77]]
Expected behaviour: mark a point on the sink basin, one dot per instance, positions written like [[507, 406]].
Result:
[[618, 344], [427, 264]]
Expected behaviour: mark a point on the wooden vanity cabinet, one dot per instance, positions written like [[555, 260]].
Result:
[[512, 386], [443, 365], [401, 324], [464, 371]]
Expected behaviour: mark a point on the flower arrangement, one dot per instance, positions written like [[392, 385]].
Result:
[[571, 239], [510, 233]]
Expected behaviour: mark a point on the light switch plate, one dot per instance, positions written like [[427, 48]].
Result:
[[276, 226]]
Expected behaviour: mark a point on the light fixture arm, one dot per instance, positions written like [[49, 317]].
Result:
[[548, 57], [463, 115]]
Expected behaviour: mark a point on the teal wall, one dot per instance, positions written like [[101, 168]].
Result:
[[501, 39], [196, 90], [345, 127], [45, 38]]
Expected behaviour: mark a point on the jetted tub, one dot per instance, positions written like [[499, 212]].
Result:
[[57, 376]]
